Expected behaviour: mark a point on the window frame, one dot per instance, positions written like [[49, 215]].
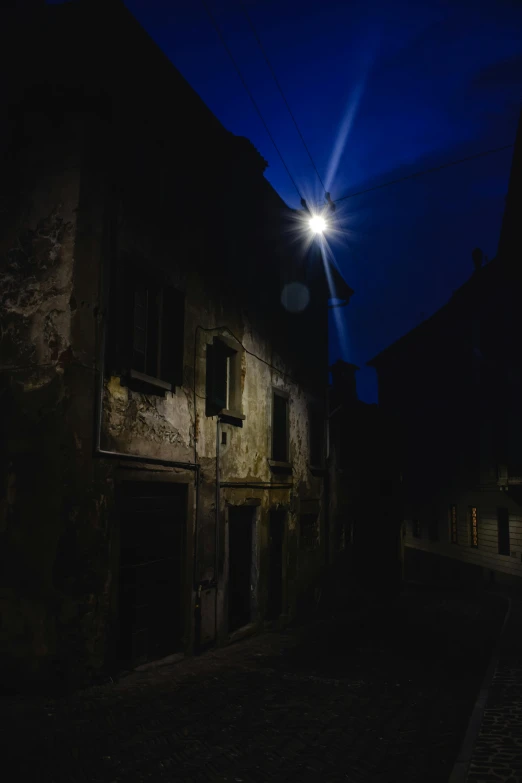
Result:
[[273, 461], [231, 351], [162, 364], [153, 339]]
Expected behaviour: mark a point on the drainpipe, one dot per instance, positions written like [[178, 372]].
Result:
[[216, 540]]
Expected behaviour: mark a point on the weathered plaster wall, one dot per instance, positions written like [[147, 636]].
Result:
[[162, 426], [88, 184], [41, 196]]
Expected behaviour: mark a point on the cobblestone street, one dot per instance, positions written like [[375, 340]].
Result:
[[369, 692], [497, 753]]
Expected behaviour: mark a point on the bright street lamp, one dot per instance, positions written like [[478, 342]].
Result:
[[317, 224]]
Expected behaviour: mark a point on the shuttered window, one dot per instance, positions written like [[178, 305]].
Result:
[[172, 335], [147, 326], [223, 378], [280, 451]]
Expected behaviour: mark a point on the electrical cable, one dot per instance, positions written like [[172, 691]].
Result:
[[250, 353], [348, 195], [247, 89], [424, 171], [278, 85]]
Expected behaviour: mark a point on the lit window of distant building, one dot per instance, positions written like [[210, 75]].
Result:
[[473, 526]]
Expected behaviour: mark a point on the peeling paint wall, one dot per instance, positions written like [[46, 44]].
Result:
[[94, 184], [40, 193]]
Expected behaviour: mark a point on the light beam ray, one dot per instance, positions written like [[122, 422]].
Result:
[[327, 258], [350, 113]]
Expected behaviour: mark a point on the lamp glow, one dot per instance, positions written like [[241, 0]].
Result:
[[317, 224]]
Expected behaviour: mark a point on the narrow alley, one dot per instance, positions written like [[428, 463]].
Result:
[[371, 690]]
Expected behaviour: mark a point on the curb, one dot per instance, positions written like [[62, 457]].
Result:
[[459, 773]]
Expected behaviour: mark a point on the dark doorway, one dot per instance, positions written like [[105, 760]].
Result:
[[152, 541], [276, 528], [240, 524]]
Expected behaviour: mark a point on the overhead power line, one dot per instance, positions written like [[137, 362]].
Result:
[[424, 171], [247, 89], [278, 85]]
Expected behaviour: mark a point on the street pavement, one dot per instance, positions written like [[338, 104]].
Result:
[[497, 754], [371, 689]]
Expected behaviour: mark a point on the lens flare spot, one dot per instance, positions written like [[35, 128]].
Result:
[[295, 297]]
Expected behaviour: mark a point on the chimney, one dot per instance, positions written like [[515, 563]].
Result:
[[344, 384], [478, 257]]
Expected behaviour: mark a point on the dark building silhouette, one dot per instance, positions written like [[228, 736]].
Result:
[[453, 387], [365, 487], [162, 462]]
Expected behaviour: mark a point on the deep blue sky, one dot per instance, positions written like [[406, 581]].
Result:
[[386, 87]]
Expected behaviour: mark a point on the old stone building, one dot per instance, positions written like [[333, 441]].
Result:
[[164, 362], [365, 493], [453, 388]]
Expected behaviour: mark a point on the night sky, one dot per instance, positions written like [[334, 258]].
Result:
[[379, 89]]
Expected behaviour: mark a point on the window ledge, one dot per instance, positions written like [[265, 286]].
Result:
[[232, 417], [149, 380], [280, 467]]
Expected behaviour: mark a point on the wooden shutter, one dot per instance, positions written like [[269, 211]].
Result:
[[140, 327], [280, 428], [116, 318], [125, 291], [216, 377], [172, 336]]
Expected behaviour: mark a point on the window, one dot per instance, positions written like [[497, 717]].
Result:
[[416, 528], [473, 526], [280, 427], [316, 424], [308, 531], [147, 326], [223, 378], [503, 531], [156, 333], [454, 530]]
